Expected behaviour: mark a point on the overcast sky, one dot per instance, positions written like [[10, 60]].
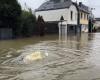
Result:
[[33, 4]]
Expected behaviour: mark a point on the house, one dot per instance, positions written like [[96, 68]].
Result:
[[97, 23], [53, 10], [83, 17]]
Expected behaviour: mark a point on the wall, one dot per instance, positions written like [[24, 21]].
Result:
[[84, 20], [53, 15], [75, 15]]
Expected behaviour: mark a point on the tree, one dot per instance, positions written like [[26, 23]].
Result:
[[10, 12], [41, 25], [28, 23]]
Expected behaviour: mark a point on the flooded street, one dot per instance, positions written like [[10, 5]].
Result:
[[51, 58]]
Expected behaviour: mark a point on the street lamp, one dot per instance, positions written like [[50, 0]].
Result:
[[61, 20]]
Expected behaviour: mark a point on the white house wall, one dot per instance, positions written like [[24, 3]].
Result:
[[75, 15], [53, 15]]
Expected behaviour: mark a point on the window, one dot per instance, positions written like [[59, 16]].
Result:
[[84, 16], [81, 15], [71, 15]]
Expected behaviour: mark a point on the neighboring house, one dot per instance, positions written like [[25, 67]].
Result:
[[83, 17], [97, 23], [53, 10]]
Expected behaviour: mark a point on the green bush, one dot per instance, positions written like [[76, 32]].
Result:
[[28, 24]]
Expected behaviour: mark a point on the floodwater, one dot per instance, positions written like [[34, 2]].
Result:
[[51, 58]]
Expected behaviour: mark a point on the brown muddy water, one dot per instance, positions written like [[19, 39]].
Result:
[[51, 58]]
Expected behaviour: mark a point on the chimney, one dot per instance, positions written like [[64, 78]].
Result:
[[80, 3]]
